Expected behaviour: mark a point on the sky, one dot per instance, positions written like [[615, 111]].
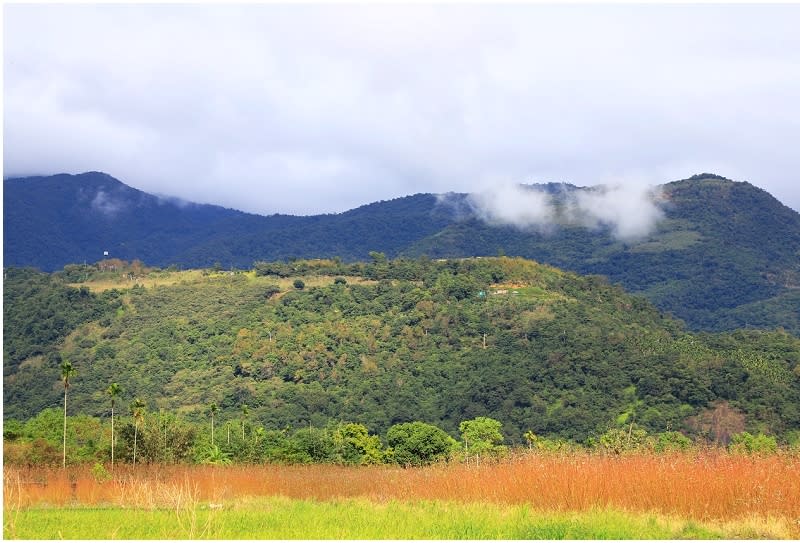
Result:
[[320, 108]]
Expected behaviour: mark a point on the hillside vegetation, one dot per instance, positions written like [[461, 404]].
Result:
[[725, 256], [389, 341]]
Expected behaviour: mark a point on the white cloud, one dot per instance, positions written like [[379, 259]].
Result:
[[107, 204], [250, 105], [630, 210]]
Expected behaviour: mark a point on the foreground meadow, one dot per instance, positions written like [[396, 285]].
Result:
[[579, 496]]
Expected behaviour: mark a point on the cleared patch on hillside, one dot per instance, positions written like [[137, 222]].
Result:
[[676, 240]]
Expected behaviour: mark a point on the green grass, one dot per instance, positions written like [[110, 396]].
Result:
[[282, 518], [668, 241]]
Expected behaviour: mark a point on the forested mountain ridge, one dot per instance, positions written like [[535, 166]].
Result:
[[725, 256], [389, 341], [57, 220]]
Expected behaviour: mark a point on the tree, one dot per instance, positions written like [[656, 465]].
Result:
[[354, 445], [137, 410], [113, 391], [620, 440], [305, 446], [719, 422], [747, 443], [165, 419], [245, 413], [212, 454], [299, 284], [418, 443], [542, 444], [481, 435], [531, 438], [67, 372], [212, 409]]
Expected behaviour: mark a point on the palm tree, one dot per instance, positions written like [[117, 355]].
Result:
[[245, 412], [166, 419], [213, 408], [67, 371], [113, 391], [137, 409]]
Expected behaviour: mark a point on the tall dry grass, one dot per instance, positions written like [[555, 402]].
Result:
[[702, 486]]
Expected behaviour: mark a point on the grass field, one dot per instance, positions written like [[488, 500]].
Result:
[[284, 518], [109, 281], [579, 496]]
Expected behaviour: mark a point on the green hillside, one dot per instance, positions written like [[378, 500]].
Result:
[[389, 341], [726, 255]]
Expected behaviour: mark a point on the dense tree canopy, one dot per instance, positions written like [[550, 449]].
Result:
[[441, 342]]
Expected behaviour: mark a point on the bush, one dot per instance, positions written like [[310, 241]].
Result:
[[31, 453], [746, 443], [619, 440], [299, 284], [354, 445], [672, 441], [309, 445], [100, 473], [543, 444], [12, 430], [481, 435], [271, 290], [418, 443]]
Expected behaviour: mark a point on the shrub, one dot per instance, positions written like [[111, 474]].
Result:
[[354, 445], [100, 473], [672, 441], [543, 444], [309, 445], [271, 290], [418, 443], [746, 443], [482, 435], [619, 440], [213, 455]]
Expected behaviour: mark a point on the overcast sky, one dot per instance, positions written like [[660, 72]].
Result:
[[321, 108]]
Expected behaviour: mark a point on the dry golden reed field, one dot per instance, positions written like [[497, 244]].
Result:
[[703, 486]]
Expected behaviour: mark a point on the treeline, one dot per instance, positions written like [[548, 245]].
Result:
[[313, 343], [163, 438]]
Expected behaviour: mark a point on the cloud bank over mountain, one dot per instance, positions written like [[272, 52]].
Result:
[[302, 108], [631, 211]]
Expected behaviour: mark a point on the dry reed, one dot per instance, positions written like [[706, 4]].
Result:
[[702, 486]]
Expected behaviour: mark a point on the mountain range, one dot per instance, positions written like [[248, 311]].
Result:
[[723, 254]]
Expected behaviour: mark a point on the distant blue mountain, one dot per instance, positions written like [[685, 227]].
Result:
[[56, 220]]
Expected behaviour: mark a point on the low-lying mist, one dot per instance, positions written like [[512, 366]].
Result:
[[630, 211]]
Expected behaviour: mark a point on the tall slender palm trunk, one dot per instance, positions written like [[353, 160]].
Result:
[[112, 435], [64, 460]]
